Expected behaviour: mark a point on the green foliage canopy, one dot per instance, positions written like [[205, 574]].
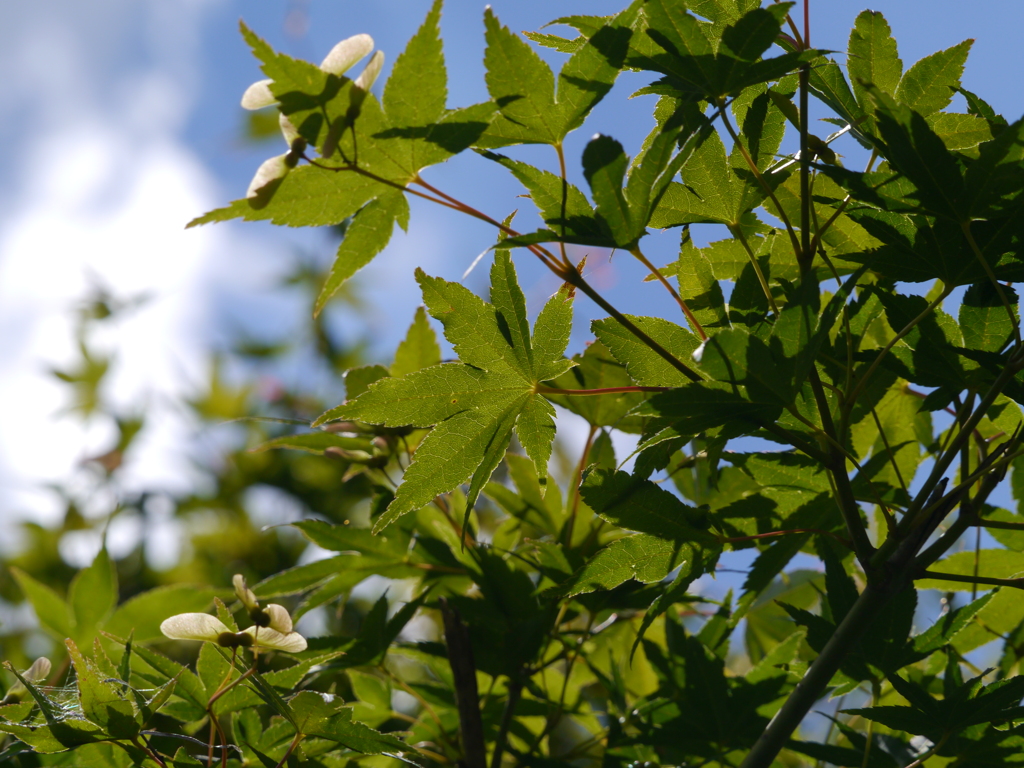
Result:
[[885, 426]]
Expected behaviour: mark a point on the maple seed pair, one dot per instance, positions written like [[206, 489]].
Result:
[[342, 57], [271, 629]]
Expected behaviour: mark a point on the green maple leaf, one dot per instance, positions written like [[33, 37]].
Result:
[[473, 405], [369, 149], [536, 106], [718, 186], [712, 60]]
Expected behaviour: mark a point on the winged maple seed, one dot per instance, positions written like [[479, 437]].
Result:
[[210, 629], [341, 58], [36, 673], [274, 616], [271, 629]]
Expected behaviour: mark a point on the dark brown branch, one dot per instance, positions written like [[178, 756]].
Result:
[[467, 696], [515, 690], [1015, 583]]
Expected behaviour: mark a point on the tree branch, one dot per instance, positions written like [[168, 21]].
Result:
[[813, 684], [1015, 583], [576, 279], [467, 696]]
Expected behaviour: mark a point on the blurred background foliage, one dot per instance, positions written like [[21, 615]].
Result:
[[225, 523]]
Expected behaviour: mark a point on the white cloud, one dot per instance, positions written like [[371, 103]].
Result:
[[100, 182]]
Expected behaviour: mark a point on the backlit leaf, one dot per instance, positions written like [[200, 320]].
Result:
[[929, 85], [696, 408], [597, 369], [92, 596], [315, 442], [914, 149], [591, 71], [419, 349], [873, 58], [474, 405], [639, 505], [365, 237], [710, 61], [983, 317], [993, 563], [642, 557], [576, 222], [417, 88], [645, 366], [698, 286], [523, 87], [100, 700], [604, 166], [323, 716], [144, 612]]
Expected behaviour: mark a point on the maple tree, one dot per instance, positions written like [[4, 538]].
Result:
[[886, 425]]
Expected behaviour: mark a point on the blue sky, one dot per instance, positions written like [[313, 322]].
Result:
[[121, 123]]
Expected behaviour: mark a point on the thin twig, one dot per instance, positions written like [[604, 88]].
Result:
[[380, 179], [422, 702], [797, 38], [756, 536], [888, 450], [1000, 525], [576, 480], [576, 279], [989, 580], [764, 184], [690, 317], [968, 515], [565, 197], [817, 677], [567, 272], [920, 761], [876, 694], [442, 504], [1013, 366], [851, 398], [543, 254], [965, 471], [820, 232], [845, 498], [291, 748], [805, 255], [545, 390], [148, 749], [737, 232], [831, 728]]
